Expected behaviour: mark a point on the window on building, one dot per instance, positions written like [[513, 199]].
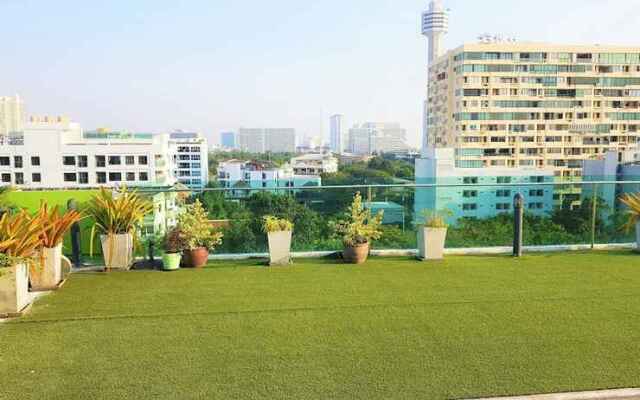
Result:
[[6, 178], [470, 181], [17, 161], [69, 160], [101, 177], [36, 177], [143, 176], [83, 177], [503, 193], [5, 161], [35, 161], [536, 206], [101, 161], [470, 193], [131, 176], [115, 176], [115, 160], [195, 149], [143, 160], [469, 206], [537, 179], [70, 177], [503, 206], [129, 160], [195, 157], [264, 184], [536, 193], [19, 178], [83, 161], [503, 179]]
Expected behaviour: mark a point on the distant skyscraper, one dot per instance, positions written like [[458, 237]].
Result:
[[11, 118], [337, 138], [377, 137], [228, 140], [278, 140]]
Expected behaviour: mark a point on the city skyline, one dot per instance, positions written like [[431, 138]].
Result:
[[217, 77]]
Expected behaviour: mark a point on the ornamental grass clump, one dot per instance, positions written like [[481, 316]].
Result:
[[632, 201], [120, 214], [55, 225]]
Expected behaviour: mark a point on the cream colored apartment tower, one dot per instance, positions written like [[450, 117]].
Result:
[[506, 104], [11, 115]]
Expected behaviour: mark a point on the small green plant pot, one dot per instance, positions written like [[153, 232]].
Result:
[[171, 261]]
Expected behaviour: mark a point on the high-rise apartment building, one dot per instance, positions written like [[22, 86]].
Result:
[[337, 136], [11, 115], [278, 140], [515, 105], [377, 137]]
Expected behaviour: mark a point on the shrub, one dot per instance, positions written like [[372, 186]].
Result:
[[196, 230], [274, 224], [359, 227], [174, 241]]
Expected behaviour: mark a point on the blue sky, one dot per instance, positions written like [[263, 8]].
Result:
[[213, 65]]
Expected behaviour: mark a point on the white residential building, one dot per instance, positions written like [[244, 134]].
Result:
[[314, 164], [377, 137], [189, 159], [337, 136], [53, 152], [278, 140], [242, 176], [11, 115]]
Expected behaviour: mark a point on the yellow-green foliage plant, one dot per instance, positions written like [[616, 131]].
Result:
[[632, 201], [196, 229], [19, 238], [275, 224], [359, 226], [54, 224]]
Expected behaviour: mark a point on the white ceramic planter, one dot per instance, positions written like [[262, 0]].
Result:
[[279, 248], [638, 236], [14, 290], [117, 251], [431, 243], [46, 274]]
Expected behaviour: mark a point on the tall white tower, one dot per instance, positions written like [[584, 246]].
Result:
[[435, 23], [337, 133]]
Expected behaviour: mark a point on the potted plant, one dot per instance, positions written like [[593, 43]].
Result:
[[19, 241], [432, 234], [632, 201], [279, 238], [117, 219], [173, 245], [48, 274], [199, 236], [358, 229]]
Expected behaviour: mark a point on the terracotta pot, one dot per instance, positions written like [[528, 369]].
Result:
[[196, 258], [356, 254]]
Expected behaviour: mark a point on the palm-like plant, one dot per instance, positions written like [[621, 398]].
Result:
[[115, 215], [20, 234], [55, 225], [632, 201]]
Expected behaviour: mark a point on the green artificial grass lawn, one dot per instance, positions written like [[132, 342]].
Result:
[[392, 328]]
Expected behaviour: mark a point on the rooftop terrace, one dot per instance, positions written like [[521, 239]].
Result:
[[392, 328]]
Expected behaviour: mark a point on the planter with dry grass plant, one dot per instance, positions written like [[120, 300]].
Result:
[[46, 274]]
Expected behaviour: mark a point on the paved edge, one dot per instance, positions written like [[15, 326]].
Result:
[[617, 394]]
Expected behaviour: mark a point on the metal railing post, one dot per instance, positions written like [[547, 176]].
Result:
[[76, 250], [518, 220]]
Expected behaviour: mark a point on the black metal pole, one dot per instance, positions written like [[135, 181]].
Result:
[[76, 249], [518, 219]]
